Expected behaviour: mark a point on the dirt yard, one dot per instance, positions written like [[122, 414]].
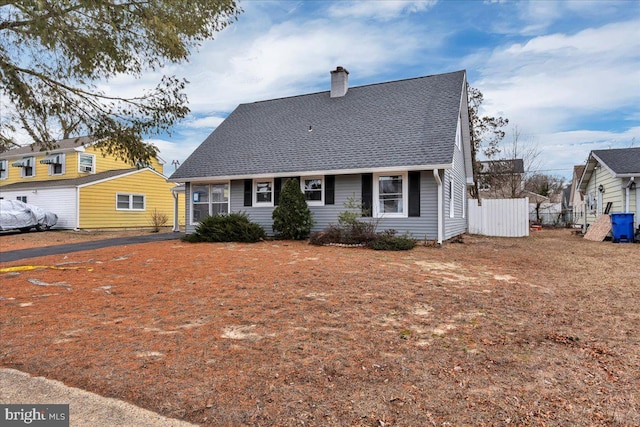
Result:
[[539, 331]]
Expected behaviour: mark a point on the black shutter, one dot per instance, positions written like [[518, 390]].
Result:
[[367, 194], [330, 190], [248, 192], [277, 186], [414, 193]]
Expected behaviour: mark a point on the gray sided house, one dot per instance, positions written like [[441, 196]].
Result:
[[401, 148]]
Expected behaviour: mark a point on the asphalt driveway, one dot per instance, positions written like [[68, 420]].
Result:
[[8, 256]]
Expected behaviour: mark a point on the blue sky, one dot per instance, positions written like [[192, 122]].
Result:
[[566, 74]]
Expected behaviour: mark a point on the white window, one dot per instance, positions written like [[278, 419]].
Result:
[[390, 195], [87, 163], [130, 202], [23, 199], [219, 199], [452, 204], [313, 189], [27, 167], [591, 202], [4, 169], [209, 199], [459, 134], [263, 192], [56, 163]]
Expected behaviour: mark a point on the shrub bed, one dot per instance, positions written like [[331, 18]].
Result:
[[384, 241]]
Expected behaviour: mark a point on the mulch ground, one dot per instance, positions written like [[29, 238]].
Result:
[[539, 331]]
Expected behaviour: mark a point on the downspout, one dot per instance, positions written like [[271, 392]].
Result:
[[436, 176], [176, 226], [585, 205], [628, 193], [77, 208]]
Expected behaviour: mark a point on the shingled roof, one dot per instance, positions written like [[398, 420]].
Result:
[[622, 161], [61, 146], [66, 183], [502, 167], [404, 124]]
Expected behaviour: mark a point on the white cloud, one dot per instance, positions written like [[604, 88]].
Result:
[[553, 86], [382, 10], [293, 58], [538, 15], [563, 150], [209, 122], [550, 82], [175, 150], [547, 84]]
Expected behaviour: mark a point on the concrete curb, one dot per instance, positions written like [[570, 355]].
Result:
[[85, 408]]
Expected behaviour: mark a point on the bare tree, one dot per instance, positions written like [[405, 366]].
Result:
[[486, 133], [505, 177], [543, 185]]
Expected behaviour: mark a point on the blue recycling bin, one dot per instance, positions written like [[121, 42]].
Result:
[[622, 227]]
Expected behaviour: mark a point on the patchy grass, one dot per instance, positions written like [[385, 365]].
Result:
[[530, 332]]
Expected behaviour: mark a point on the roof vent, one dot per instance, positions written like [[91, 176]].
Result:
[[339, 82]]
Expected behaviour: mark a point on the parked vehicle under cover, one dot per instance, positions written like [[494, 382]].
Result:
[[17, 215]]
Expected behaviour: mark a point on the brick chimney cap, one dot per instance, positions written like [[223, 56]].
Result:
[[340, 69]]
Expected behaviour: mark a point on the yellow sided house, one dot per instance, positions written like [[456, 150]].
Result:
[[87, 188]]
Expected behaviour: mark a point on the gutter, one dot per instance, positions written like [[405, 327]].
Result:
[[436, 176], [284, 174]]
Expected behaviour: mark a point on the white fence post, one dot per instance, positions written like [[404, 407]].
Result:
[[499, 217]]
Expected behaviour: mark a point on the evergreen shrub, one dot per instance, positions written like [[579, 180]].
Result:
[[292, 219], [389, 241], [233, 227]]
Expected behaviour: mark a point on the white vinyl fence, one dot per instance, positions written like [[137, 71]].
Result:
[[499, 217]]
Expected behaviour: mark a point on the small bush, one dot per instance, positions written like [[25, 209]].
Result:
[[292, 218], [359, 233], [351, 230], [388, 241], [158, 220], [331, 234], [233, 227]]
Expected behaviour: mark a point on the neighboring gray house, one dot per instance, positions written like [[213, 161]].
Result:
[[609, 183], [401, 147]]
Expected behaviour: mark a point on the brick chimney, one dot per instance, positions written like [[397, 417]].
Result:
[[339, 82]]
